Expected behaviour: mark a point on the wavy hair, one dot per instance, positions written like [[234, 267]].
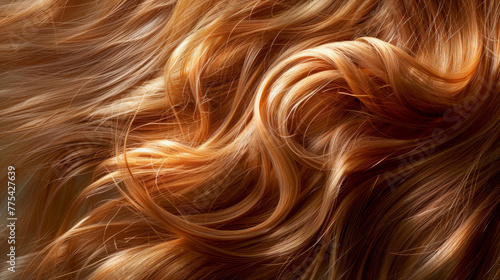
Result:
[[252, 139]]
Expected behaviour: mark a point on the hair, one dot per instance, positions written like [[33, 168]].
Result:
[[251, 139]]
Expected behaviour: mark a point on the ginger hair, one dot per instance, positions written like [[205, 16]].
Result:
[[252, 139]]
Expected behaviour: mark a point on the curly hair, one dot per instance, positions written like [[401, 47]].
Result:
[[250, 139]]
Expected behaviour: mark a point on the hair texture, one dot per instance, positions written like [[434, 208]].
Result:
[[251, 139]]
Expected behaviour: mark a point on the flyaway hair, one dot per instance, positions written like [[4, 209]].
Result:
[[250, 139]]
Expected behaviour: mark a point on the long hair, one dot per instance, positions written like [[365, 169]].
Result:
[[250, 139]]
